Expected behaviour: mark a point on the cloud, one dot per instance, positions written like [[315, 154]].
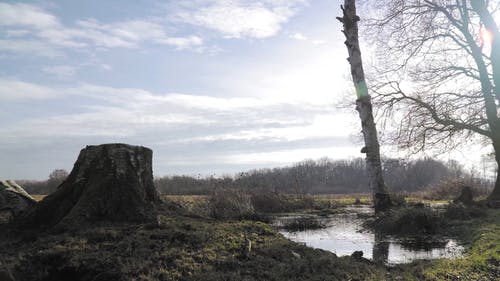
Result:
[[231, 18], [14, 90], [17, 32], [128, 112], [60, 71], [239, 19], [26, 15], [301, 37], [130, 34], [183, 42], [318, 42], [189, 133], [298, 36], [29, 47], [24, 19]]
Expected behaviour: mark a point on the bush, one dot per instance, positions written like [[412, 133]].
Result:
[[275, 202], [461, 212], [265, 201], [450, 189], [417, 220], [230, 204], [398, 199], [303, 223]]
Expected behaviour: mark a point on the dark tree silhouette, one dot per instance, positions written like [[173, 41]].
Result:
[[439, 78]]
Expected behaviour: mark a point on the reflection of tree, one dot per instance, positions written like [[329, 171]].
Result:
[[424, 244], [380, 249]]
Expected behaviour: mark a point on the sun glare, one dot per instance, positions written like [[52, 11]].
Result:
[[486, 36]]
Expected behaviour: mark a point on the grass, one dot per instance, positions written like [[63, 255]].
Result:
[[188, 247], [176, 248], [408, 221], [482, 260], [38, 197], [302, 223]]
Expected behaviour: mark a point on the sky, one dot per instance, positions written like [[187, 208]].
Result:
[[212, 86]]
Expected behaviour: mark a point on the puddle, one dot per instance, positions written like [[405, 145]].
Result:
[[344, 234]]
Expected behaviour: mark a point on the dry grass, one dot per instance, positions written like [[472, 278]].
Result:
[[38, 197]]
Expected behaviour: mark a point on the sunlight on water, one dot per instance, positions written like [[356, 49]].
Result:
[[345, 234]]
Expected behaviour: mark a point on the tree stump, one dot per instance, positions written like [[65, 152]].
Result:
[[14, 200], [466, 197], [109, 182]]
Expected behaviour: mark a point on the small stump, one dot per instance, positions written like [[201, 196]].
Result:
[[110, 182], [466, 197], [14, 200]]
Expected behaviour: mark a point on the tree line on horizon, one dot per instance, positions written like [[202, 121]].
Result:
[[327, 176], [322, 176]]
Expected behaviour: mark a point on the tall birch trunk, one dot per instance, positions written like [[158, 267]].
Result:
[[381, 199]]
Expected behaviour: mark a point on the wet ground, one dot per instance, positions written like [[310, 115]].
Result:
[[344, 234]]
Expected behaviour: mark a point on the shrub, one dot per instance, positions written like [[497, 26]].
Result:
[[461, 212], [417, 220], [450, 189], [275, 202], [303, 223], [398, 199], [229, 204], [269, 202]]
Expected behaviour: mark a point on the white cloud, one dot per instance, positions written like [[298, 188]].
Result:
[[25, 15], [105, 66], [14, 90], [130, 34], [28, 19], [288, 156], [237, 19], [29, 47], [318, 42], [108, 111], [183, 42], [17, 32], [61, 71], [301, 37], [298, 36], [180, 128]]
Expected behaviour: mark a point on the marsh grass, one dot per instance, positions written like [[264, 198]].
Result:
[[38, 197], [408, 221], [181, 247], [176, 248], [302, 223]]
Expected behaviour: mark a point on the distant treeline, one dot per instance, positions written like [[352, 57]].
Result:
[[44, 186], [323, 176]]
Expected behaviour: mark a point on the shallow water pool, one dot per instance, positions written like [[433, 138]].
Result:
[[345, 234]]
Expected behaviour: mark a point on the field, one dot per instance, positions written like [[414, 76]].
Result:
[[187, 245]]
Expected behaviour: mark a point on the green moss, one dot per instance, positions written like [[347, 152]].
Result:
[[482, 261], [187, 248]]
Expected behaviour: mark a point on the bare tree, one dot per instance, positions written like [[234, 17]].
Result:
[[57, 176], [439, 73], [381, 199]]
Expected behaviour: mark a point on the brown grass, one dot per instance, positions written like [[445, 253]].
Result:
[[38, 197]]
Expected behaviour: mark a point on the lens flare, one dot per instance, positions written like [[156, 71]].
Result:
[[486, 36]]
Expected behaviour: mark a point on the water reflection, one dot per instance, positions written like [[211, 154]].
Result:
[[380, 251], [345, 234]]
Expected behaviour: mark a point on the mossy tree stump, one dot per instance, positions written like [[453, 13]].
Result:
[[109, 182]]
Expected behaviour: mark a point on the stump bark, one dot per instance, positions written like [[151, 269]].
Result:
[[466, 196], [14, 200], [109, 182]]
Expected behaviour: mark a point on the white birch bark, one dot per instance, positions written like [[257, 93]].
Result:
[[381, 199]]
